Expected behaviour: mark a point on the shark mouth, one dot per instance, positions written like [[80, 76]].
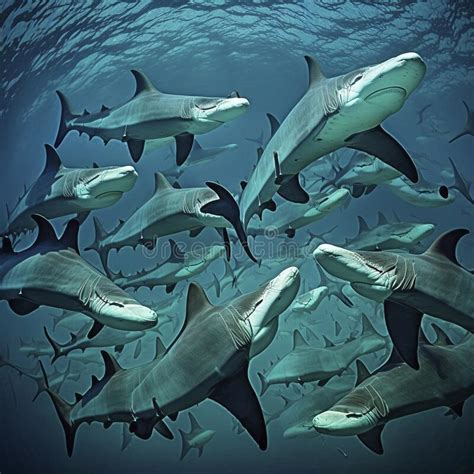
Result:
[[395, 90], [227, 208]]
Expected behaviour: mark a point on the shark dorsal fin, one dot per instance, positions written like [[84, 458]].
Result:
[[195, 426], [143, 84], [228, 270], [177, 255], [7, 246], [338, 328], [160, 349], [362, 372], [78, 397], [442, 339], [363, 227], [197, 302], [111, 364], [161, 183], [367, 326], [445, 245], [70, 235], [315, 73], [104, 108], [382, 219], [53, 162], [328, 342], [298, 340], [46, 232], [95, 165], [274, 125]]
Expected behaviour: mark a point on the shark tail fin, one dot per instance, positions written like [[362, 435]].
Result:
[[66, 115], [100, 235], [63, 409], [56, 347], [185, 446]]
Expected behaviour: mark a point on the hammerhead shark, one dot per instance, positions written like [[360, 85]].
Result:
[[151, 114], [208, 359], [343, 111], [61, 191], [51, 272]]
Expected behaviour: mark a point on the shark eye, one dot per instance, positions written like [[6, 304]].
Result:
[[357, 78]]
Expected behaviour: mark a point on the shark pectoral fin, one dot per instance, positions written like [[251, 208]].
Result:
[[135, 147], [403, 325], [377, 293], [225, 236], [373, 439], [237, 395], [143, 427], [184, 143], [377, 142], [292, 191], [162, 428], [195, 232], [21, 306], [95, 329]]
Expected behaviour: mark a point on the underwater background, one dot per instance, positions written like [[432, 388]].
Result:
[[86, 49]]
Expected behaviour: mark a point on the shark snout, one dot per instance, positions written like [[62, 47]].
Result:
[[129, 317], [337, 423], [229, 109]]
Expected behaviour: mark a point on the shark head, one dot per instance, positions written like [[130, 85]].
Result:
[[110, 305], [383, 88], [375, 275], [269, 302], [99, 187], [218, 109]]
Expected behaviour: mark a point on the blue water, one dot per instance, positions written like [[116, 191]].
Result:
[[86, 49]]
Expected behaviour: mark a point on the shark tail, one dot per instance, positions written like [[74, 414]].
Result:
[[66, 115], [63, 409], [263, 382], [100, 235], [56, 346], [185, 446]]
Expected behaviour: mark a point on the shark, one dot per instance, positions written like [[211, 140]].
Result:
[[363, 173], [445, 378], [292, 216], [60, 191], [51, 272], [389, 236], [343, 111], [151, 114], [197, 438], [409, 286], [423, 194], [297, 419], [309, 301], [178, 267], [169, 211], [208, 359], [108, 337], [305, 363], [469, 125]]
